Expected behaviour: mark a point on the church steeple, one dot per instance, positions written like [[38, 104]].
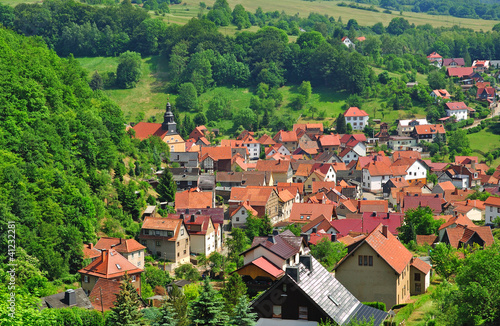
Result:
[[168, 121]]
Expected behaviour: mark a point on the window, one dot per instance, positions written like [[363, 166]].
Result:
[[85, 278], [302, 312], [157, 232], [276, 311], [158, 243], [301, 217], [146, 231], [170, 233], [364, 260], [186, 241], [178, 243], [134, 278], [417, 277], [182, 231], [190, 183], [418, 287], [158, 253], [184, 252], [178, 254], [237, 219]]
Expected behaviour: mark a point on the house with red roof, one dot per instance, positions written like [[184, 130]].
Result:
[[266, 141], [305, 212], [428, 132], [90, 252], [347, 42], [378, 269], [110, 265], [434, 201], [320, 223], [329, 142], [438, 94], [286, 199], [367, 223], [132, 250], [313, 130], [358, 119], [264, 200], [486, 94], [420, 273], [240, 214], [276, 149], [459, 72], [377, 173], [205, 236], [480, 66], [166, 131], [287, 138], [190, 199], [454, 62], [280, 169], [459, 110], [166, 238], [467, 236], [216, 158], [435, 59], [492, 209]]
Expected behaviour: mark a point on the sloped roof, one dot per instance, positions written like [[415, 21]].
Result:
[[492, 201], [266, 140], [164, 224], [426, 239], [434, 55], [355, 112], [317, 185], [246, 206], [144, 130], [110, 265], [89, 251], [291, 187], [314, 238], [267, 266], [216, 153], [368, 223], [320, 222], [310, 211], [330, 296], [285, 136], [452, 106], [406, 154], [441, 93], [119, 244], [281, 245], [329, 140], [460, 219], [107, 289], [278, 166], [415, 201], [459, 71], [421, 265], [458, 61], [254, 195], [447, 185], [429, 129], [308, 126], [462, 234], [285, 195], [380, 206], [193, 199]]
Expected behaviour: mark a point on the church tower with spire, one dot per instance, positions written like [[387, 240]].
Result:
[[168, 121]]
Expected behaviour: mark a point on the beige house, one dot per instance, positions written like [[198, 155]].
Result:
[[132, 250], [420, 276], [264, 200], [109, 266], [166, 238], [313, 177], [202, 233], [281, 170], [378, 269]]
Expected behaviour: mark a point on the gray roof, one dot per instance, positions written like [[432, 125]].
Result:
[[284, 322], [322, 287], [185, 177], [57, 300]]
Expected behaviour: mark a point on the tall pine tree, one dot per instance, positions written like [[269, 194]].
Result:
[[208, 309], [233, 290], [241, 315], [167, 188], [178, 301], [166, 316], [341, 127], [126, 310]]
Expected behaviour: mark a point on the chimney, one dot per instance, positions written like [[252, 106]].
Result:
[[374, 213], [473, 164], [270, 238], [275, 232], [187, 211], [306, 260], [334, 238], [198, 212], [70, 297], [193, 218], [91, 245], [384, 230], [293, 272], [181, 216], [388, 216]]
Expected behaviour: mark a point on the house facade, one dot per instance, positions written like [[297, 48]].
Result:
[[457, 109], [166, 238], [492, 206], [405, 127], [132, 250], [358, 119]]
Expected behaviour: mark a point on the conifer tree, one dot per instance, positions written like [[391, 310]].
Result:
[[96, 82], [166, 188], [208, 309], [126, 310], [233, 290], [179, 305], [166, 316], [340, 124], [242, 315]]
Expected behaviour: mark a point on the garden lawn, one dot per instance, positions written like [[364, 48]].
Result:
[[484, 141]]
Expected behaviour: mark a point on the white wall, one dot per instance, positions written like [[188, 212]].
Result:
[[459, 114], [241, 215], [357, 123], [491, 213], [416, 171]]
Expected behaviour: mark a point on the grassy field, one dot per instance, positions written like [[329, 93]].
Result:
[[483, 142], [363, 17]]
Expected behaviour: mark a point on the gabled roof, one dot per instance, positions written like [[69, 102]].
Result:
[[266, 140], [144, 130], [285, 195], [267, 266], [320, 223], [216, 153], [278, 166], [284, 245], [459, 71], [492, 201], [368, 223], [89, 251], [317, 185], [458, 61], [453, 106], [346, 137], [254, 195], [418, 200], [290, 186], [429, 129], [110, 265], [329, 140], [406, 154], [193, 199], [426, 239], [447, 185], [107, 290], [441, 93], [305, 211], [328, 295], [460, 235], [119, 244], [308, 126], [285, 136], [389, 248], [458, 220], [421, 265], [163, 224], [246, 206], [314, 238], [355, 112], [434, 55]]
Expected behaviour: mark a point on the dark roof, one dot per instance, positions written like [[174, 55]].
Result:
[[217, 214], [57, 300], [284, 245], [330, 296]]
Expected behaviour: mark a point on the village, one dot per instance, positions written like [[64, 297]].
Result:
[[349, 188]]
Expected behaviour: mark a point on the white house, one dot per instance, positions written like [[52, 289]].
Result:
[[457, 109], [416, 172], [347, 42], [348, 155], [405, 127], [278, 148], [376, 174], [492, 205], [358, 119], [253, 147], [239, 215], [401, 143]]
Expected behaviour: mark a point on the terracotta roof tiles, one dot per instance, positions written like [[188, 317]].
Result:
[[421, 265], [119, 244], [110, 265], [355, 112]]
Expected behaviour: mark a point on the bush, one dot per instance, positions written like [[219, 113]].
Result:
[[376, 305]]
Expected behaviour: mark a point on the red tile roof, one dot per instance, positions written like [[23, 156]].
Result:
[[266, 140], [441, 93], [285, 195], [267, 266], [415, 201], [329, 140], [107, 290], [254, 195], [458, 61], [406, 154], [311, 211], [492, 201], [285, 136], [429, 129], [278, 166], [285, 245], [368, 223], [308, 126], [320, 223], [458, 220], [89, 251], [466, 159], [421, 265], [447, 185], [292, 187], [164, 224], [216, 153], [459, 71], [426, 239], [355, 112], [119, 244], [145, 130], [314, 238], [110, 265], [434, 55], [190, 199], [452, 106], [246, 206]]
